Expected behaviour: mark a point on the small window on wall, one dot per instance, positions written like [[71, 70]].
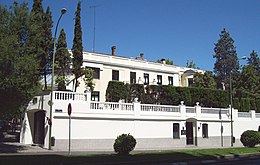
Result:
[[132, 77], [146, 79], [96, 72], [115, 75], [159, 79], [95, 96], [170, 79], [176, 130], [190, 81], [205, 131], [258, 128]]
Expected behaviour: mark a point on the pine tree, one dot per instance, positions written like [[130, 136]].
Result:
[[254, 60], [249, 82], [77, 48], [36, 35], [63, 60], [47, 45], [226, 59]]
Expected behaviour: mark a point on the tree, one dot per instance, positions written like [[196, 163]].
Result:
[[226, 59], [205, 80], [47, 45], [36, 41], [168, 61], [18, 81], [77, 48], [254, 61], [63, 61], [191, 64], [250, 78], [89, 80]]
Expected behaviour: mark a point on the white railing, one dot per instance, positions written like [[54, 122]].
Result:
[[190, 110], [111, 106], [159, 108], [214, 110], [59, 95], [244, 114], [257, 115]]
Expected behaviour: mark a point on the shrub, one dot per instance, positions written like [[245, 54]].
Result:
[[250, 138], [245, 104], [116, 91], [124, 144]]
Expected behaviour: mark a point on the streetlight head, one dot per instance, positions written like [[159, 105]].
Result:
[[243, 57], [63, 10]]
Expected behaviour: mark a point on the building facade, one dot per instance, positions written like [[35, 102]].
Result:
[[131, 71], [95, 124]]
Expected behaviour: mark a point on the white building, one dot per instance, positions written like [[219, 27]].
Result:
[[131, 70], [95, 124]]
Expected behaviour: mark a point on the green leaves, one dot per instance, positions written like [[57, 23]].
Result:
[[77, 48], [19, 70], [226, 58]]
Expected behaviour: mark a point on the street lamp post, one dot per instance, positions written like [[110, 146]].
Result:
[[63, 11], [231, 102]]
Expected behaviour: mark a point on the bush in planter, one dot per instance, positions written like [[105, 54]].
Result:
[[250, 138], [124, 144]]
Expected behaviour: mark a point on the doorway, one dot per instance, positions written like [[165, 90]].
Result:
[[39, 119], [189, 133]]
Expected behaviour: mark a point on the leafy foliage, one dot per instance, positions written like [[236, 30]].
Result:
[[63, 61], [205, 80], [167, 61], [89, 80], [116, 91], [77, 48], [226, 59], [191, 64], [18, 67], [250, 138], [124, 144], [47, 45], [166, 94]]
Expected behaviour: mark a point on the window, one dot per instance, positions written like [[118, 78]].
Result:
[[205, 130], [258, 128], [190, 81], [146, 79], [176, 130], [96, 72], [95, 96], [170, 80], [115, 75], [159, 79], [132, 77]]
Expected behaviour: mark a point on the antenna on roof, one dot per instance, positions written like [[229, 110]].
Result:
[[94, 37]]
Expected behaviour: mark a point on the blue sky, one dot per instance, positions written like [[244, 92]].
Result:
[[178, 30]]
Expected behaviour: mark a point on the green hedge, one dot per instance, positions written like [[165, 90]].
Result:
[[116, 91], [246, 104], [166, 94]]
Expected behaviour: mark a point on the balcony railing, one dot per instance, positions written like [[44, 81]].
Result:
[[59, 95], [214, 110], [159, 108], [244, 114], [111, 106]]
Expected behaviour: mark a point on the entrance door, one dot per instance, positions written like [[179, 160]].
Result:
[[189, 133], [39, 127]]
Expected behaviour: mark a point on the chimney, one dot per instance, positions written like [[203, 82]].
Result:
[[141, 56], [163, 61], [113, 50]]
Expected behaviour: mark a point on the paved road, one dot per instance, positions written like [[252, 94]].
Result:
[[240, 162]]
